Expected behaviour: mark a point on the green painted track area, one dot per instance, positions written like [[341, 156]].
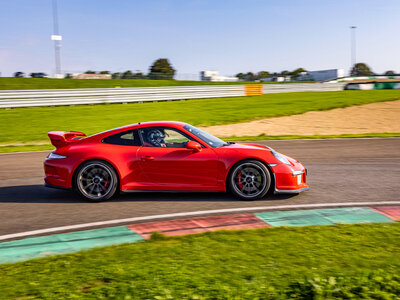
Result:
[[323, 216], [35, 247], [65, 243]]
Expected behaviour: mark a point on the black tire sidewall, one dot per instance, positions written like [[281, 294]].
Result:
[[266, 188], [113, 189]]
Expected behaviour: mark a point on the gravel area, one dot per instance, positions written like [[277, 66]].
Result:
[[370, 118]]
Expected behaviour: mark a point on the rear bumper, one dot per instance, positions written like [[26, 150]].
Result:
[[57, 173]]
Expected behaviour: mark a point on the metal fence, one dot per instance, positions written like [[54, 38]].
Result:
[[302, 87], [53, 97]]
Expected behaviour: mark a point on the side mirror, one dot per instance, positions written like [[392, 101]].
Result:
[[192, 145]]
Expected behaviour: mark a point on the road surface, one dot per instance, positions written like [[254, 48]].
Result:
[[340, 170]]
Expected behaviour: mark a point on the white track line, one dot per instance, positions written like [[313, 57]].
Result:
[[192, 213]]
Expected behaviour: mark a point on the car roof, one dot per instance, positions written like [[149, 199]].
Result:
[[159, 123], [174, 124]]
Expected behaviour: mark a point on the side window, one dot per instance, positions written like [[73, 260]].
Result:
[[163, 137], [175, 137], [127, 138]]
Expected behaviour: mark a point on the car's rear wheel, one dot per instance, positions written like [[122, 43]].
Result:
[[96, 180], [249, 180]]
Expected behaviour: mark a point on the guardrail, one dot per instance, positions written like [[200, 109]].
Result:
[[54, 97], [302, 87]]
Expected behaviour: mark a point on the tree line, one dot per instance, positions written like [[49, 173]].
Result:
[[359, 69], [160, 69], [362, 69], [250, 76]]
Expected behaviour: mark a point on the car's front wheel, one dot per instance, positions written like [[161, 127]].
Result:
[[96, 180], [249, 180]]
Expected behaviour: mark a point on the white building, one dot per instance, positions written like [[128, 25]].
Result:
[[277, 79], [91, 76], [213, 76], [322, 75]]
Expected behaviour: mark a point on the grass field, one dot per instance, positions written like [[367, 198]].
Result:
[[11, 83], [315, 262], [28, 125]]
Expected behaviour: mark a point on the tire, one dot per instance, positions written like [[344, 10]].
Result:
[[96, 180], [249, 180]]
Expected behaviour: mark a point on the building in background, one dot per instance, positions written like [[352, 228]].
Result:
[[91, 76], [213, 76], [280, 78], [321, 75]]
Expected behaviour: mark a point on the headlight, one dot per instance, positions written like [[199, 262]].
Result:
[[280, 157], [55, 156]]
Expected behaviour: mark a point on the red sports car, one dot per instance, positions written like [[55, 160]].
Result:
[[167, 156]]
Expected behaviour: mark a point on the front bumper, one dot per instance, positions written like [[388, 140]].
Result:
[[290, 179], [291, 191]]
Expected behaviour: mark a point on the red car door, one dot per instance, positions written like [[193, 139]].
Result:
[[167, 164]]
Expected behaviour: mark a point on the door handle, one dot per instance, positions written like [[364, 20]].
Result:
[[147, 157]]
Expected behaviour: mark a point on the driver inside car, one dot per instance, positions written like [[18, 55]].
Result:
[[155, 137]]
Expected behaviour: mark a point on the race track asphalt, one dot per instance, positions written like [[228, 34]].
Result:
[[340, 170]]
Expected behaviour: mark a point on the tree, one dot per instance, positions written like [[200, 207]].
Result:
[[250, 76], [139, 75], [390, 72], [241, 76], [161, 69], [38, 75], [263, 74], [104, 72], [298, 71], [90, 72], [127, 75], [19, 74], [68, 76], [361, 69], [116, 75]]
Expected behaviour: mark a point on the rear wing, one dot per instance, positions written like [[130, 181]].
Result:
[[62, 138]]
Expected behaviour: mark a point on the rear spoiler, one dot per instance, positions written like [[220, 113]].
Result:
[[62, 138]]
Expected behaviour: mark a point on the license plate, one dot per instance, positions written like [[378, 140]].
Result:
[[299, 179]]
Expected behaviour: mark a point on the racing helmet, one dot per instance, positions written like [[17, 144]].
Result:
[[156, 137]]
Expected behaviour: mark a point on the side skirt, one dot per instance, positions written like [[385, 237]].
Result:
[[57, 187], [167, 191]]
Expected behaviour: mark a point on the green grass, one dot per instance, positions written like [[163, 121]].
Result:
[[48, 146], [24, 148], [28, 125], [315, 262], [10, 83]]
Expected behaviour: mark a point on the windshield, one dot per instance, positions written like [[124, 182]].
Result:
[[205, 136]]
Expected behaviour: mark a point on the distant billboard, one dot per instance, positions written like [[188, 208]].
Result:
[[55, 37]]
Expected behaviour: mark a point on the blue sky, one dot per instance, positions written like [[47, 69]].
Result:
[[230, 36]]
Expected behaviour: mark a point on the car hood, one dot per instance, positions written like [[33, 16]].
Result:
[[240, 146]]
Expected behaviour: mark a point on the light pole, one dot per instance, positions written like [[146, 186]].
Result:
[[57, 41], [353, 45]]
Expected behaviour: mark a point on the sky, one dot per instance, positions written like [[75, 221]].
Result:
[[229, 36]]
